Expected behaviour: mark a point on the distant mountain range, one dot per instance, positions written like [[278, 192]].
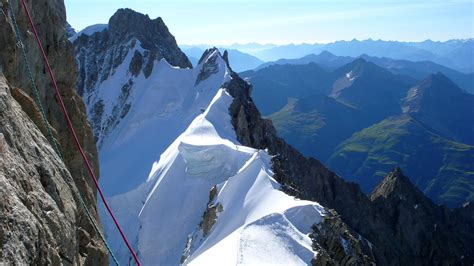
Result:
[[432, 139], [363, 119], [417, 70], [455, 54]]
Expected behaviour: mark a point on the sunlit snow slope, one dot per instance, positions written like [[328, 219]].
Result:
[[254, 222], [136, 127], [207, 199]]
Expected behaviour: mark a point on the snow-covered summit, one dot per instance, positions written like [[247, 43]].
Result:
[[88, 31]]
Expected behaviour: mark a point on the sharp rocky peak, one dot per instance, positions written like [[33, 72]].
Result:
[[126, 23], [434, 91], [396, 184], [212, 53], [125, 28], [208, 63]]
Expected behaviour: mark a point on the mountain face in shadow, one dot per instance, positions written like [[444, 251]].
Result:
[[363, 120]]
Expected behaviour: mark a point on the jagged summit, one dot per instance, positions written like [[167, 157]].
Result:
[[153, 34], [206, 54], [125, 28], [216, 51], [396, 184]]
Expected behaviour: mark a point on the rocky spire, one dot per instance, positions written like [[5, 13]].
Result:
[[127, 26], [396, 184]]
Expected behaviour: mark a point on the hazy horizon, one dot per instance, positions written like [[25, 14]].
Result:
[[313, 43], [278, 22]]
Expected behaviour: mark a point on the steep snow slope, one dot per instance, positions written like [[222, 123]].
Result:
[[137, 122], [246, 218]]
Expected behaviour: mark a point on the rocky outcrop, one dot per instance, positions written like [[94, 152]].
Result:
[[424, 228], [41, 221], [336, 244], [209, 217], [58, 233], [381, 222], [208, 68]]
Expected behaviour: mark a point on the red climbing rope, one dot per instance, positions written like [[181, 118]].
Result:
[[73, 132]]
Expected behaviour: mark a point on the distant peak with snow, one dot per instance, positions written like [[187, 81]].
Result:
[[88, 31]]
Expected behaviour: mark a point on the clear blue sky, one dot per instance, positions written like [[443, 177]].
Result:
[[286, 21]]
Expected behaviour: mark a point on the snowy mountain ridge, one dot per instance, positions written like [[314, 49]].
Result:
[[188, 110], [138, 122], [173, 166], [207, 195], [153, 108]]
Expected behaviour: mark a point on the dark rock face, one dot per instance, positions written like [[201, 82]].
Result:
[[153, 35], [209, 217], [442, 106], [446, 236], [380, 221], [338, 245], [136, 63], [210, 67], [64, 234]]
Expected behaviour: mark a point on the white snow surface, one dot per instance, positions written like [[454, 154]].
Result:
[[350, 76], [89, 31], [182, 131], [162, 107], [258, 223]]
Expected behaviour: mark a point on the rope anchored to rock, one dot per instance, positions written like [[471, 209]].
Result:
[[70, 127]]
